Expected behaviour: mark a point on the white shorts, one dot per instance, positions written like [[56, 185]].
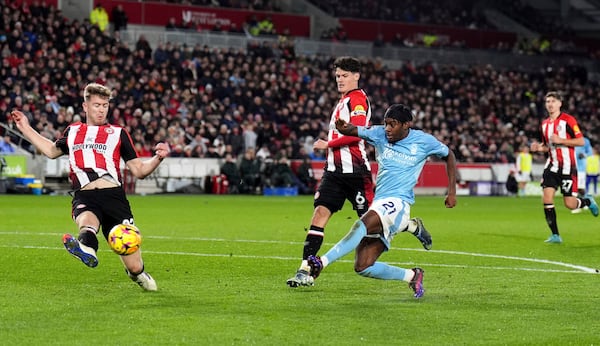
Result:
[[581, 176], [523, 177], [394, 214]]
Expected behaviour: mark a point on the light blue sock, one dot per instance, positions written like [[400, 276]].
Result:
[[347, 244], [384, 271]]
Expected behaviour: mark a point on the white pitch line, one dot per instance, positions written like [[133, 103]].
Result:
[[536, 260], [578, 268]]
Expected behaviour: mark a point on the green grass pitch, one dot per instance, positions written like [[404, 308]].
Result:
[[221, 263]]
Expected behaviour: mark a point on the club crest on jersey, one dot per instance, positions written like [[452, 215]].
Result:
[[413, 149], [358, 110], [109, 130]]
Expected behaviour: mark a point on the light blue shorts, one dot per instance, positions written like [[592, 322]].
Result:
[[394, 214]]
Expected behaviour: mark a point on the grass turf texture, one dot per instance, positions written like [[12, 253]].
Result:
[[221, 263]]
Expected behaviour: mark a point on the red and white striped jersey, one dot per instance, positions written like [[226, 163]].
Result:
[[95, 151], [561, 158], [354, 108]]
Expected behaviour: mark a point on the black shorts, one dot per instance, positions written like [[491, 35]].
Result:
[[110, 206], [335, 189], [567, 183]]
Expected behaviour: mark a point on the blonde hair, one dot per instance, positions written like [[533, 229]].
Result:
[[96, 89]]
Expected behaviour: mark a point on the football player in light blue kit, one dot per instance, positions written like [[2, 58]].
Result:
[[581, 154], [401, 154]]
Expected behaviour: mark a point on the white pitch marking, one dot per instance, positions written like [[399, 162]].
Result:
[[526, 259]]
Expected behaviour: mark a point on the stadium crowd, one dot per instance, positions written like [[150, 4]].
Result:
[[209, 102], [461, 13], [255, 5]]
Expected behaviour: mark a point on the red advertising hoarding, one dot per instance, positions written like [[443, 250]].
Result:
[[158, 14]]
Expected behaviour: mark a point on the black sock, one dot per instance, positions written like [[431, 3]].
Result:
[[134, 275], [550, 213], [313, 241], [88, 238], [584, 202]]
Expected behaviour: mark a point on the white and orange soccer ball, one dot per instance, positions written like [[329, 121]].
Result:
[[124, 239]]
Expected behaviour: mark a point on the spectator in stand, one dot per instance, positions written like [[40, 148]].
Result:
[[282, 174], [264, 153], [217, 28], [306, 176], [171, 24], [231, 170], [512, 186], [235, 29], [250, 170], [143, 149], [236, 140], [266, 26], [250, 137], [6, 145], [592, 172], [524, 167], [398, 40], [251, 26], [379, 41], [99, 17], [119, 18], [142, 44]]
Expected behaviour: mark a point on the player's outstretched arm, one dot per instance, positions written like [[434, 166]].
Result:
[[43, 144], [346, 128], [142, 168], [450, 199]]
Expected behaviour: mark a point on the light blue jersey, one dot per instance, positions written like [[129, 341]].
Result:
[[400, 163], [586, 150]]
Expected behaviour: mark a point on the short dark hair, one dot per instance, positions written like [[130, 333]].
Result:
[[556, 94], [347, 63], [399, 112]]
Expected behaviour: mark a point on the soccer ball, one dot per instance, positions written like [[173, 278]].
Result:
[[124, 239]]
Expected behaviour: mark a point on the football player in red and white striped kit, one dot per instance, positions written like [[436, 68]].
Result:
[[95, 149], [347, 174], [560, 136]]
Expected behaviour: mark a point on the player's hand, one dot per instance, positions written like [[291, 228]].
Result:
[[19, 118], [341, 124], [162, 150], [450, 201], [320, 144], [555, 140]]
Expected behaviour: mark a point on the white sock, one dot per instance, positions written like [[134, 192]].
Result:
[[304, 266], [409, 274], [412, 226]]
